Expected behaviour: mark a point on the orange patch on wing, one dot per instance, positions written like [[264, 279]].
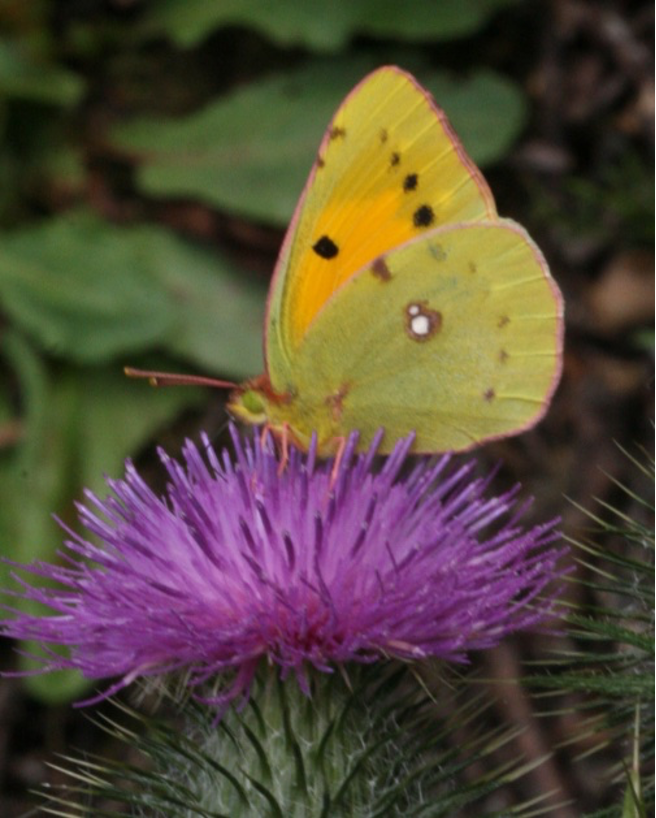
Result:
[[359, 242], [392, 169]]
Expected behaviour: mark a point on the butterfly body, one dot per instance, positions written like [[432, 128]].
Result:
[[400, 299]]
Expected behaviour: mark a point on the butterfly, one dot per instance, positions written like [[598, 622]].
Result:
[[400, 299]]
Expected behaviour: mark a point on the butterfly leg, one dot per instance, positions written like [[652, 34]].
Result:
[[264, 436], [281, 437], [339, 453], [284, 448]]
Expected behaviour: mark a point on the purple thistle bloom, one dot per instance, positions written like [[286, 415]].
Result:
[[237, 563]]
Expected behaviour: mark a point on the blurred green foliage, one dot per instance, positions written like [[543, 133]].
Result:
[[614, 209], [26, 74], [319, 28], [89, 292], [223, 156], [624, 193]]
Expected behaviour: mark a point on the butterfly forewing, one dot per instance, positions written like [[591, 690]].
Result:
[[389, 169]]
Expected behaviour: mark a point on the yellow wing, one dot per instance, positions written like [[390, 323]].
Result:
[[460, 341], [389, 169]]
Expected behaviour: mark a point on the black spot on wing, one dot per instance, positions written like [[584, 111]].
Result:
[[325, 247], [410, 182], [423, 216], [383, 136], [395, 159], [337, 133]]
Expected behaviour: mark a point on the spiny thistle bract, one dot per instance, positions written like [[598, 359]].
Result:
[[607, 661], [377, 748]]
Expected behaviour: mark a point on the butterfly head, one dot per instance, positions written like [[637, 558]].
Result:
[[249, 403], [258, 404]]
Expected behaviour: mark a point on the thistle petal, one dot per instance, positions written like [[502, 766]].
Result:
[[236, 564]]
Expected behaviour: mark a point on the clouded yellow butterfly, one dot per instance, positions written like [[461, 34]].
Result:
[[400, 298]]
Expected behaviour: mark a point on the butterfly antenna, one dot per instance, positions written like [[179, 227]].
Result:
[[172, 379]]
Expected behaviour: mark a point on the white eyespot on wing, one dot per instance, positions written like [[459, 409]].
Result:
[[421, 322]]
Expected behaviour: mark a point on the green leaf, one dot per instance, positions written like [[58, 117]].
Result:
[[77, 427], [319, 26], [33, 483], [27, 75], [219, 310], [32, 472], [57, 169], [86, 290], [90, 291], [250, 152], [115, 416], [487, 111]]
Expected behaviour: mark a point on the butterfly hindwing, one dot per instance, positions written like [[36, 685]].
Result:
[[456, 335], [389, 169]]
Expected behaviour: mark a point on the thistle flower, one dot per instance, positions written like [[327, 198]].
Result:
[[237, 563]]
